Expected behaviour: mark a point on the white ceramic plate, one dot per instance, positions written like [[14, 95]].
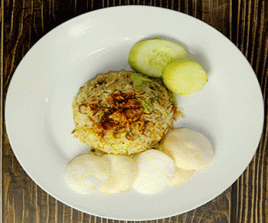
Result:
[[229, 109]]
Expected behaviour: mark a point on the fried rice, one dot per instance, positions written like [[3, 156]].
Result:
[[123, 112]]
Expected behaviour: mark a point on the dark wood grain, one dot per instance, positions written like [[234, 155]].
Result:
[[249, 192], [1, 102], [245, 23]]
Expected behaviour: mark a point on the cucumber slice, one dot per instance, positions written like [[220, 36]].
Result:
[[184, 76], [151, 56]]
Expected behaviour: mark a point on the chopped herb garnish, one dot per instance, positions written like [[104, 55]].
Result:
[[173, 99], [100, 116], [145, 105], [153, 100], [113, 90], [94, 153], [138, 79], [156, 83]]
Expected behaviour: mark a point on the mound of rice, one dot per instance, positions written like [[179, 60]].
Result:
[[123, 112]]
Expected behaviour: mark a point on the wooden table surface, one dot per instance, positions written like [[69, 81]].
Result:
[[24, 22]]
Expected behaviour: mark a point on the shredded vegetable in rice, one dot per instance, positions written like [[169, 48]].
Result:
[[123, 112]]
